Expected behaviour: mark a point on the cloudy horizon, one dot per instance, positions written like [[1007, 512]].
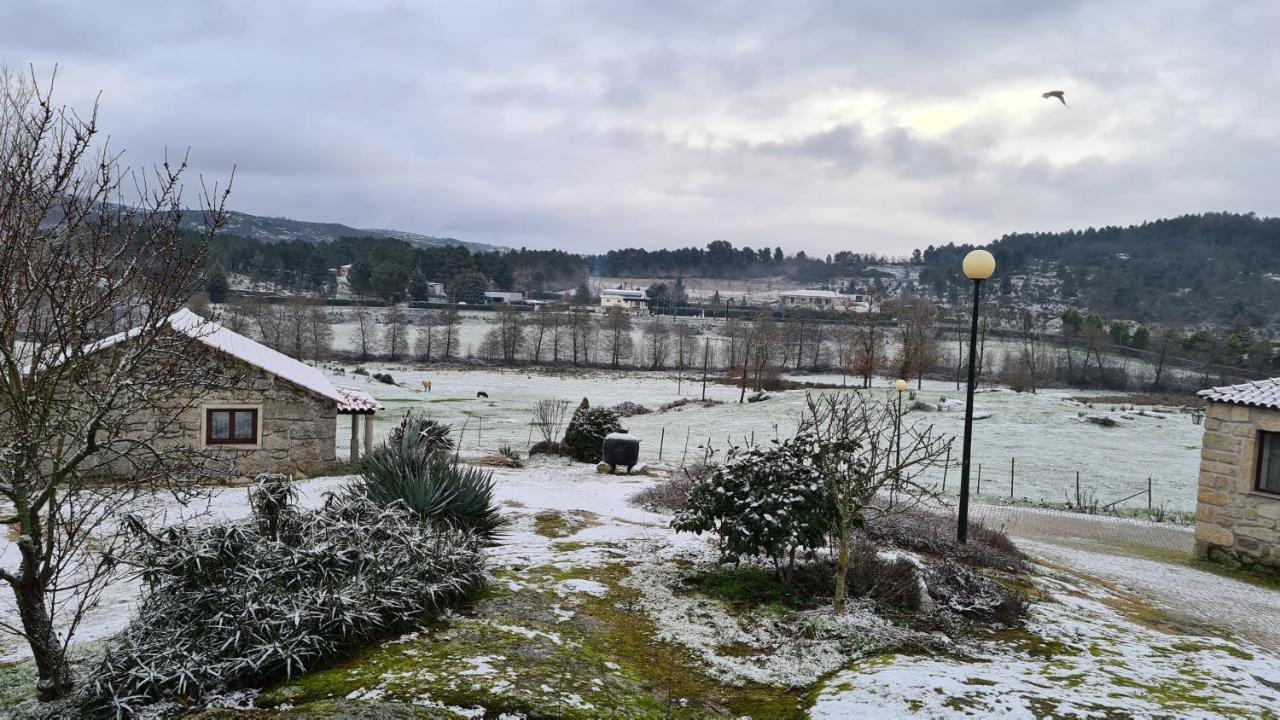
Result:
[[816, 126]]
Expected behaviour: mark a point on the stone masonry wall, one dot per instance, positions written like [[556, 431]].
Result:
[[1236, 524], [297, 428]]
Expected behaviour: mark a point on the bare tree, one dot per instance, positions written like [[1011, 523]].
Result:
[[868, 459], [505, 339], [428, 331], [917, 338], [617, 335], [548, 418], [868, 346], [450, 323], [89, 249], [319, 332], [395, 336], [657, 342], [365, 330], [1033, 351]]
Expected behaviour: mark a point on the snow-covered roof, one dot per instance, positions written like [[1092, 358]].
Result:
[[818, 294], [619, 292], [356, 401], [1259, 393], [242, 348]]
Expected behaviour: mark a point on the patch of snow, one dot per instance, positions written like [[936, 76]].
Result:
[[588, 587]]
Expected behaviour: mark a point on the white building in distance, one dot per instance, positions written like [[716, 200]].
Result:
[[825, 300], [629, 300], [503, 296]]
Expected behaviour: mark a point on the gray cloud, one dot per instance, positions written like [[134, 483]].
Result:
[[821, 125]]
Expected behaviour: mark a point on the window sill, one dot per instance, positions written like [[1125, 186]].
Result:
[[1265, 494]]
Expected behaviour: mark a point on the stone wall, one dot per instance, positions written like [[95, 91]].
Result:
[[297, 428], [1236, 524]]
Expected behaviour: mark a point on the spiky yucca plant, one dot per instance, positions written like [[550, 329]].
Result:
[[424, 432], [414, 467]]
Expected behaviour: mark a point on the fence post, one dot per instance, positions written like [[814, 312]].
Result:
[[1148, 494], [979, 491], [662, 439], [1078, 503], [1012, 461], [946, 464]]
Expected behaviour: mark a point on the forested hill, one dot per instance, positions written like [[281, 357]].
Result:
[[1194, 268], [276, 229]]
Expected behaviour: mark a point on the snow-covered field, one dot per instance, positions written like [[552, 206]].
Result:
[[1042, 433]]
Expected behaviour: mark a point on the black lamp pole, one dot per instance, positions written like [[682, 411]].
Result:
[[962, 522]]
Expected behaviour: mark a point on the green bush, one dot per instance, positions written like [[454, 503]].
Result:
[[423, 432], [761, 502], [584, 437]]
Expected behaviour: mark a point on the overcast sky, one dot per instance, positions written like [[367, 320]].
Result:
[[867, 126]]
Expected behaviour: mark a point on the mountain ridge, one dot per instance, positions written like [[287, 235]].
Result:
[[275, 229]]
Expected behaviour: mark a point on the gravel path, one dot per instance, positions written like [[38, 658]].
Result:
[[1107, 549]]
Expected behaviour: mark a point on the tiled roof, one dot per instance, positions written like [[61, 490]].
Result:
[[356, 401], [1259, 393]]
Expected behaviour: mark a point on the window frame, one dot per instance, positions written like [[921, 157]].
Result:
[[210, 440], [1263, 437]]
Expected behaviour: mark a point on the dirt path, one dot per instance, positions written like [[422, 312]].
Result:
[[1120, 552]]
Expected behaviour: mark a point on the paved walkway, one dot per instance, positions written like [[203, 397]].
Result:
[[1119, 551]]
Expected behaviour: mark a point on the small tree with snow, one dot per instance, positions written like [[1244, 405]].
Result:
[[867, 457], [87, 249]]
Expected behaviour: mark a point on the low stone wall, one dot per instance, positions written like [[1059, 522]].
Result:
[[1236, 524]]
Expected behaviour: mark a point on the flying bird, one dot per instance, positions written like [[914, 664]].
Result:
[[1056, 94]]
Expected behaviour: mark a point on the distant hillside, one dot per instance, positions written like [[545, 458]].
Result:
[[1211, 268], [274, 229]]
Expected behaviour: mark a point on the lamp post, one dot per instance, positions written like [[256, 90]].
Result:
[[901, 387], [978, 265]]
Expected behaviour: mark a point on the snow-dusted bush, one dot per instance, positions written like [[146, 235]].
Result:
[[413, 468], [761, 502], [240, 604], [584, 437]]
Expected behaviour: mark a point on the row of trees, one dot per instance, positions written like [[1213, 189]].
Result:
[[389, 268], [720, 259]]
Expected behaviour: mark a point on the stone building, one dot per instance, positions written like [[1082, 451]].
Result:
[[1238, 504], [279, 415]]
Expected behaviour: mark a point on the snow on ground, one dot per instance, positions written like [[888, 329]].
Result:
[[1082, 653], [1039, 430], [1093, 662]]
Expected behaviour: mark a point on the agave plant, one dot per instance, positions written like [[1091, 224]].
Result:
[[432, 485], [422, 433]]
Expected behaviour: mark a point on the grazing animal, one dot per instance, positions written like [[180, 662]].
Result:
[[482, 394], [426, 385], [340, 371], [1056, 94]]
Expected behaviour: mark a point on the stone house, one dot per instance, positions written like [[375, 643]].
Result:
[[280, 415], [1238, 503]]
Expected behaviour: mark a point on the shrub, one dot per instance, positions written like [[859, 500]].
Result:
[[384, 378], [671, 493], [411, 469], [236, 605], [927, 532], [510, 456], [584, 437], [630, 409], [546, 447], [761, 502]]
